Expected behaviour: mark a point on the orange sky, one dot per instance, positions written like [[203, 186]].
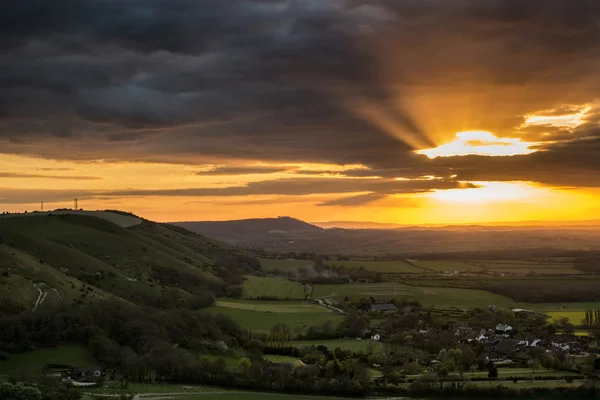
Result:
[[94, 183], [408, 112]]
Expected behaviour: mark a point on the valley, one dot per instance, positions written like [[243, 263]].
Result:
[[85, 290]]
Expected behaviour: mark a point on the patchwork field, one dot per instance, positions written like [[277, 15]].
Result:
[[284, 265], [256, 286], [525, 267], [366, 346], [449, 265], [261, 316], [32, 362], [380, 266], [428, 296]]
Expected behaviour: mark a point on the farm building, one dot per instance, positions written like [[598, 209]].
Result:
[[503, 328]]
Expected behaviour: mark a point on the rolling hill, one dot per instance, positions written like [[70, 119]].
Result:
[[235, 231], [68, 259], [289, 235]]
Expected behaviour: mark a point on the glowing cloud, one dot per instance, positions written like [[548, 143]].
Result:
[[556, 118], [479, 143]]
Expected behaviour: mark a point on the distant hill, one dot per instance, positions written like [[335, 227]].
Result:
[[243, 227], [289, 235], [68, 259]]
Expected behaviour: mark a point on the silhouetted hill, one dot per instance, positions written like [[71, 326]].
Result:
[[226, 230]]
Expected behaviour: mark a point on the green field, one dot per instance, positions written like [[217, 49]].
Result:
[[276, 358], [575, 317], [32, 362], [284, 265], [251, 396], [261, 316], [345, 344], [282, 288], [427, 296], [450, 265], [524, 267], [380, 266]]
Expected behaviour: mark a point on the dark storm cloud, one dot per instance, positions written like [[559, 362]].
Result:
[[570, 164], [325, 81], [303, 186], [281, 187]]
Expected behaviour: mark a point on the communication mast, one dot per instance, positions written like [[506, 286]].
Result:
[[75, 203], [42, 206]]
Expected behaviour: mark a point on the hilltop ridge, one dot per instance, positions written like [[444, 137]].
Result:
[[60, 259]]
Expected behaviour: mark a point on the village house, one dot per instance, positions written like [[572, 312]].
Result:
[[503, 329]]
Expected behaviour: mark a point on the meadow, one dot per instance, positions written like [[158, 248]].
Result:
[[284, 265], [32, 362], [398, 266], [427, 296], [256, 286], [525, 267], [449, 265], [261, 316]]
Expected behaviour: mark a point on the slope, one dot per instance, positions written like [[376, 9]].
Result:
[[73, 259], [219, 229]]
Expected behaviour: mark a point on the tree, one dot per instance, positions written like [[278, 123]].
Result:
[[533, 364], [568, 329], [467, 357], [492, 371], [19, 391]]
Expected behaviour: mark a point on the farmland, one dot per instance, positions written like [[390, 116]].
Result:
[[261, 316], [284, 265], [436, 296], [450, 265], [380, 266], [282, 288], [31, 363]]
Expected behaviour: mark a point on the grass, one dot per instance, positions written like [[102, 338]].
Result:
[[284, 265], [282, 288], [32, 362], [276, 358], [428, 296], [380, 266], [449, 265], [252, 396], [524, 267], [261, 316], [65, 251], [142, 388], [366, 346], [116, 218]]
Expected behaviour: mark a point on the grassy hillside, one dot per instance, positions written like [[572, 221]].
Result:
[[71, 259]]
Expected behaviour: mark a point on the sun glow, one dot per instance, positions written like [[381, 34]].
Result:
[[479, 143], [490, 192]]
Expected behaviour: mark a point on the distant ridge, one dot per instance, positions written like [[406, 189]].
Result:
[[252, 226], [384, 225]]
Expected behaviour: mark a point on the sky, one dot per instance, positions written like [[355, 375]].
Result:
[[400, 111]]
